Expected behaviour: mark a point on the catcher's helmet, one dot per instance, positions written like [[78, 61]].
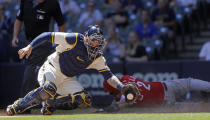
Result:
[[94, 33]]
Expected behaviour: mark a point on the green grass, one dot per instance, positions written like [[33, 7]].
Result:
[[120, 116], [192, 112]]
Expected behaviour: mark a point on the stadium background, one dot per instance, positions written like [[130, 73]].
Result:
[[180, 62]]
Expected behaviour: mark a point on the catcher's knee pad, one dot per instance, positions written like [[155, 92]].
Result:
[[82, 99], [47, 107], [50, 88]]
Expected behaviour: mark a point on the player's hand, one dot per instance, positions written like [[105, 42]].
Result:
[[130, 89], [15, 42], [25, 51]]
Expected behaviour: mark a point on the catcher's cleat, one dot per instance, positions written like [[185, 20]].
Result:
[[83, 99], [10, 111], [47, 107], [14, 108]]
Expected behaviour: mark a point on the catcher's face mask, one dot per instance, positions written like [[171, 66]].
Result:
[[95, 42]]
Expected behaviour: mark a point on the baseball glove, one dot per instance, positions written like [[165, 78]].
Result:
[[130, 89]]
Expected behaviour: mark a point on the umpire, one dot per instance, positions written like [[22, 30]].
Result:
[[36, 15]]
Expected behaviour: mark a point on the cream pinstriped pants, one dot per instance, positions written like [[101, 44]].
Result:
[[65, 85]]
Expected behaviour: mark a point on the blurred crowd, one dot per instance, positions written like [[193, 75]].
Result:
[[136, 30]]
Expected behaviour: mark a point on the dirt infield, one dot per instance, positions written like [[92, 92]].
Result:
[[177, 108], [2, 113]]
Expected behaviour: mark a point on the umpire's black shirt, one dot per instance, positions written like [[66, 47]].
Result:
[[36, 18]]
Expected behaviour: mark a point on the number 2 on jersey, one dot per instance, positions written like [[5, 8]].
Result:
[[147, 87]]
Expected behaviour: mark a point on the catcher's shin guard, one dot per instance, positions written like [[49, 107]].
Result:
[[32, 99], [59, 102], [70, 102]]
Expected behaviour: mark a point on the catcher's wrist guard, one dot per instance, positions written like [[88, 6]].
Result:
[[130, 89]]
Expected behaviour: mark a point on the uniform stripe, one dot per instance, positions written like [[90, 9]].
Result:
[[59, 97], [72, 99], [103, 70], [53, 37], [75, 42]]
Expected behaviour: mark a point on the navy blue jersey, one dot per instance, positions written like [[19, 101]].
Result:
[[71, 54], [74, 60]]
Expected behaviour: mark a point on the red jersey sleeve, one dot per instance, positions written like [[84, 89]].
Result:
[[109, 89], [112, 91]]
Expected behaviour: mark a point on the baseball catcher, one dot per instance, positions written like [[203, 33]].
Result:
[[74, 53]]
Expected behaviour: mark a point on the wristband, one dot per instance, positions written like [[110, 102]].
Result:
[[120, 86]]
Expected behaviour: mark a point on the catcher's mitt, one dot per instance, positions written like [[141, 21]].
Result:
[[130, 89]]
